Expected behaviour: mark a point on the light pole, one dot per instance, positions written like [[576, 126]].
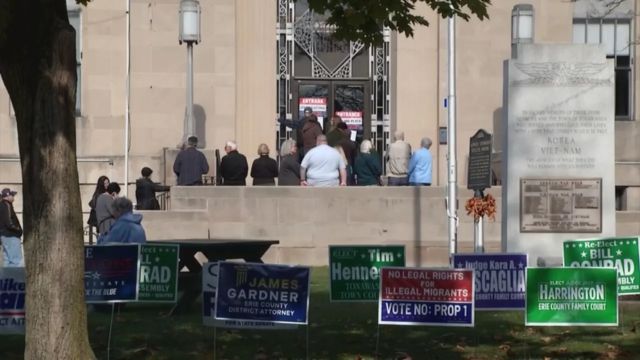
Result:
[[521, 27], [452, 176], [189, 33]]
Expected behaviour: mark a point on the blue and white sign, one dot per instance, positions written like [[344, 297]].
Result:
[[499, 279], [262, 292], [110, 273], [209, 287], [12, 297]]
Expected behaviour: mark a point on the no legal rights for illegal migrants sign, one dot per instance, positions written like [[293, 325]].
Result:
[[262, 292], [571, 296], [620, 253], [499, 279], [355, 270], [12, 298], [209, 289], [418, 296]]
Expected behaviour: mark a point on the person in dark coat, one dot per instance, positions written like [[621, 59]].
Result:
[[127, 228], [334, 134], [101, 187], [310, 131], [233, 167], [264, 169], [367, 165], [350, 150], [289, 166], [190, 164], [146, 191], [10, 231]]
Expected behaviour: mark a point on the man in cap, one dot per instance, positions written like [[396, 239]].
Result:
[[10, 230], [190, 164]]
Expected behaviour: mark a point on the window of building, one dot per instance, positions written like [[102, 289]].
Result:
[[74, 20], [615, 34]]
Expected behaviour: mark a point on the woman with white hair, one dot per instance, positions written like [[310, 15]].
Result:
[[264, 169], [289, 166], [367, 165]]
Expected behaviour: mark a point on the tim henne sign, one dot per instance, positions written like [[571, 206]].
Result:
[[355, 270]]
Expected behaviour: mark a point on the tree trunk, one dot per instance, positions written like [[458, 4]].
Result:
[[38, 67]]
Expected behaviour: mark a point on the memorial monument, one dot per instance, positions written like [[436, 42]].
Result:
[[558, 166]]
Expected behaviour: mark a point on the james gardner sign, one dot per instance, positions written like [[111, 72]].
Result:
[[262, 292], [620, 253], [571, 296]]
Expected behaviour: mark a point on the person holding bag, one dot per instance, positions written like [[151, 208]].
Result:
[[10, 231]]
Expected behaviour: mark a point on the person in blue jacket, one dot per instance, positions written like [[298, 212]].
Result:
[[127, 228], [420, 165]]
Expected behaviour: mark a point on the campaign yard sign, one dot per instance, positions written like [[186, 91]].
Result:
[[262, 292], [158, 273], [209, 287], [12, 298], [499, 279], [418, 296], [620, 253], [355, 270], [571, 296], [110, 273]]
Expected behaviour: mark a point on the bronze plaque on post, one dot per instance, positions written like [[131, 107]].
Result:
[[561, 205], [479, 169]]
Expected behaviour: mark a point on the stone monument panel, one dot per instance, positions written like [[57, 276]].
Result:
[[559, 141]]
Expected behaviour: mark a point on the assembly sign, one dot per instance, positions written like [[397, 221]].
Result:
[[158, 273], [355, 270], [262, 292], [499, 279], [12, 292], [419, 296], [620, 253], [571, 296]]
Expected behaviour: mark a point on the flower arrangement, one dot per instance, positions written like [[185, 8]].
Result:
[[481, 206]]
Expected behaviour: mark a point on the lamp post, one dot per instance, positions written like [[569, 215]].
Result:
[[521, 27], [189, 33]]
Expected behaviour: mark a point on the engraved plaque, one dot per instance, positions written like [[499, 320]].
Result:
[[561, 205]]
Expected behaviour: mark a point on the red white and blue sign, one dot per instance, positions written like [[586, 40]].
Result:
[[500, 279], [12, 298], [419, 296], [110, 273], [262, 292]]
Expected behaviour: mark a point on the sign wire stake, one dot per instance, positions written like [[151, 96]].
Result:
[[113, 308]]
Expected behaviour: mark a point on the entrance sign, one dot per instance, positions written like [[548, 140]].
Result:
[[418, 296], [12, 298], [262, 292], [110, 273], [209, 287], [499, 279], [158, 273], [479, 169], [571, 296], [620, 253], [353, 119], [317, 104], [355, 270]]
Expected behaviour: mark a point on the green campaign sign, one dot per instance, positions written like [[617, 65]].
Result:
[[620, 253], [571, 296], [158, 273], [355, 270]]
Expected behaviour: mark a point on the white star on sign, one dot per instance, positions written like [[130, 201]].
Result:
[[459, 265], [619, 252], [583, 254], [520, 265]]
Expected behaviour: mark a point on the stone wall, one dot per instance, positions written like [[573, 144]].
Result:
[[307, 220]]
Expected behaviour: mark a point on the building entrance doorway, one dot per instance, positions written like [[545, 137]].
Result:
[[345, 98]]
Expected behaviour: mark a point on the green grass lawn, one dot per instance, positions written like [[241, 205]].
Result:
[[349, 331]]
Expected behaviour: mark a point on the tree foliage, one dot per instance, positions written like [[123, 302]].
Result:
[[364, 20]]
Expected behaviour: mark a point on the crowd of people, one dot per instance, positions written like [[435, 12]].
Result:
[[316, 157]]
